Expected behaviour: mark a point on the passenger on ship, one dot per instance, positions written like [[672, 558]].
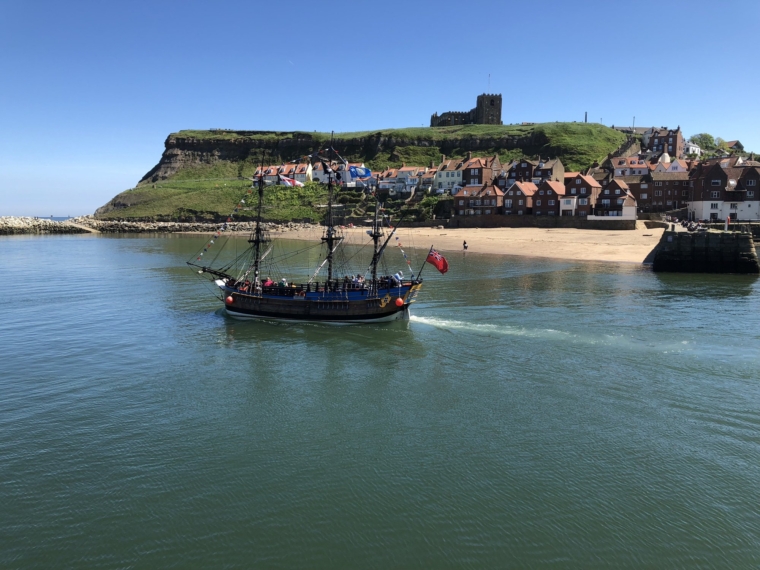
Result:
[[268, 282]]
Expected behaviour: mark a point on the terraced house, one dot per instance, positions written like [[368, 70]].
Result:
[[518, 199], [546, 200], [725, 187], [477, 200]]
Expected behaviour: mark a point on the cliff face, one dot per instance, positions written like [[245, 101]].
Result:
[[187, 151]]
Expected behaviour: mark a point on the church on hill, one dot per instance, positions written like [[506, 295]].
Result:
[[487, 111]]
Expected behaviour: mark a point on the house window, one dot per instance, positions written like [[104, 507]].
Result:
[[583, 201], [473, 171], [572, 190], [523, 165], [507, 203], [440, 185], [619, 201], [715, 194], [751, 182], [617, 190], [551, 202], [733, 206], [538, 202], [583, 190], [541, 192], [605, 202], [644, 195], [461, 212], [684, 193], [645, 185], [669, 202], [685, 183], [577, 181], [582, 213], [750, 193], [568, 202], [658, 183], [658, 192], [606, 190], [488, 211], [461, 202], [713, 205], [519, 202], [714, 182]]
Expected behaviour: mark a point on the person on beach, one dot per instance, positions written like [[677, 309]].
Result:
[[464, 245]]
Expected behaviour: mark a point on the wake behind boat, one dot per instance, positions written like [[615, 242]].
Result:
[[364, 297]]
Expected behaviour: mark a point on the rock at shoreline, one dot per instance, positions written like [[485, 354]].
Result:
[[23, 225]]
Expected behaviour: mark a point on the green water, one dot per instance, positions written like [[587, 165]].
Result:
[[533, 413]]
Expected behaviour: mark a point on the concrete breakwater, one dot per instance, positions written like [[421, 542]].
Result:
[[706, 252], [88, 224]]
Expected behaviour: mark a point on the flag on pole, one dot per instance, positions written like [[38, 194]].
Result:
[[436, 259], [359, 171], [289, 181]]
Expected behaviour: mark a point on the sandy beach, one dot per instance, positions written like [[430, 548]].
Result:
[[632, 246]]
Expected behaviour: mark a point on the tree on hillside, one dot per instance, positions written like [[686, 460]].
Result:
[[705, 141], [721, 144]]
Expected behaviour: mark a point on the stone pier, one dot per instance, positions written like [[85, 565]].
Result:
[[709, 251]]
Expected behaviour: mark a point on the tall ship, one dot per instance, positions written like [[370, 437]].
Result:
[[365, 297]]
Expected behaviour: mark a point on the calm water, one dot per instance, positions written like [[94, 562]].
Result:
[[533, 413]]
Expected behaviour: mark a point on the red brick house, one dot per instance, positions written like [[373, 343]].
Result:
[[518, 199], [612, 198], [726, 187], [667, 140], [478, 171], [546, 200], [478, 200], [585, 189]]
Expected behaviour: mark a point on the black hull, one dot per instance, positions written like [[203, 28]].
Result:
[[380, 309]]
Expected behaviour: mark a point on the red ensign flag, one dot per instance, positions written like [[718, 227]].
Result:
[[438, 260]]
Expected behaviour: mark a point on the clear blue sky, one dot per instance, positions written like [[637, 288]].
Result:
[[90, 90]]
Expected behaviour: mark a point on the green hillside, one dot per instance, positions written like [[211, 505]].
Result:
[[214, 165]]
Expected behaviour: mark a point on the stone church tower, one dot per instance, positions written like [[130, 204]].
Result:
[[487, 111]]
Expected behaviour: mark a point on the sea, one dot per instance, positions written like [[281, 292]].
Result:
[[532, 413]]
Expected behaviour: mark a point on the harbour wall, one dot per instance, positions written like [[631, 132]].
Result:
[[706, 252], [501, 221]]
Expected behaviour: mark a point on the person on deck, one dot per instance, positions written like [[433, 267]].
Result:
[[268, 282], [284, 282], [464, 245]]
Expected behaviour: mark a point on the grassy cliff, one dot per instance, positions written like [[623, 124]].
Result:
[[201, 173]]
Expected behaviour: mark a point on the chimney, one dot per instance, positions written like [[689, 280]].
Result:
[[469, 155], [432, 164], [443, 158]]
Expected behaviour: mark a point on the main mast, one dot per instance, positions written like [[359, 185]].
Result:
[[329, 238], [257, 237]]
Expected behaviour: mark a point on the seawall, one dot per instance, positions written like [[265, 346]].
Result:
[[706, 252], [576, 222]]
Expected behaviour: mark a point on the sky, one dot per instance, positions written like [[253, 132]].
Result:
[[89, 91]]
